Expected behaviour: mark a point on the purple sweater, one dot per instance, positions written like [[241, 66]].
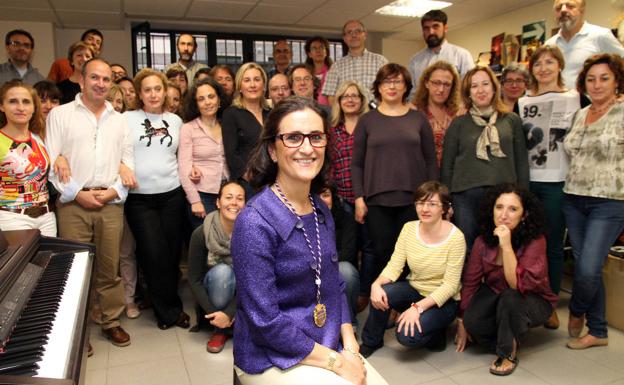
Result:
[[275, 285]]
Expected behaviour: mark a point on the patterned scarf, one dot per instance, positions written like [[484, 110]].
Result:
[[217, 241], [489, 135]]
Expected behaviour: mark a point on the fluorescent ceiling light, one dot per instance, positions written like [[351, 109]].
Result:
[[411, 8]]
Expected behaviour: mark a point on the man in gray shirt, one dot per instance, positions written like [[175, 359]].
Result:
[[19, 47], [434, 28]]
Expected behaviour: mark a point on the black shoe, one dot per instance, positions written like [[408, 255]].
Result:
[[366, 351], [437, 342]]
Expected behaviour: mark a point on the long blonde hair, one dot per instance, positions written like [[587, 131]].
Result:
[[238, 81], [337, 115]]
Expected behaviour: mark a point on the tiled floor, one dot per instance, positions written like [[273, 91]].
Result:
[[177, 357]]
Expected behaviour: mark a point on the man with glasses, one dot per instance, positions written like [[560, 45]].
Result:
[[282, 56], [302, 84], [434, 27], [279, 89], [19, 47], [359, 65], [187, 45]]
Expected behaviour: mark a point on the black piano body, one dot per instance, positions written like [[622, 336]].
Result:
[[22, 253]]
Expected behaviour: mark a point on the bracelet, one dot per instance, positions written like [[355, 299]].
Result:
[[331, 360], [352, 351], [418, 308]]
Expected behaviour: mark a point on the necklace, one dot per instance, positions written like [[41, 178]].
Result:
[[320, 311], [605, 107]]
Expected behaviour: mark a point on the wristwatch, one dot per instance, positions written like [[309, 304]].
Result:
[[331, 360]]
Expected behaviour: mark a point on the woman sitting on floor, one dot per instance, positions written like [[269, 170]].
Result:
[[505, 285]]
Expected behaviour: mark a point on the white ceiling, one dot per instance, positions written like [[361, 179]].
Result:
[[266, 16]]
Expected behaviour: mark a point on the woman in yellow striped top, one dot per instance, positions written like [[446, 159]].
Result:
[[433, 249]]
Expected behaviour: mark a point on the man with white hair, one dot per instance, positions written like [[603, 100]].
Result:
[[579, 39]]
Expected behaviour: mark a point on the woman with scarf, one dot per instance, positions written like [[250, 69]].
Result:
[[210, 270], [482, 148]]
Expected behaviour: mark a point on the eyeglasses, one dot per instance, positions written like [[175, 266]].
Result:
[[303, 79], [279, 88], [518, 82], [351, 97], [438, 84], [427, 204], [19, 44], [295, 139], [392, 82], [354, 32]]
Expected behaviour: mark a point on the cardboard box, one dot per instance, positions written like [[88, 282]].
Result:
[[613, 275]]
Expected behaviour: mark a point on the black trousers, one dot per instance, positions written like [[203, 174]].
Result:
[[495, 320], [156, 220], [384, 226]]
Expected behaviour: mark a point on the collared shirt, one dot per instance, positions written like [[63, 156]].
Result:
[[361, 69], [198, 148], [191, 69], [275, 285], [9, 72], [342, 151], [94, 148], [275, 71], [596, 155], [590, 40], [455, 55]]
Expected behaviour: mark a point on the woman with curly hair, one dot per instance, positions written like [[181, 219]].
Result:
[[505, 289], [438, 97]]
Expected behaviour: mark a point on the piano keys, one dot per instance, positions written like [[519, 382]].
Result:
[[43, 325]]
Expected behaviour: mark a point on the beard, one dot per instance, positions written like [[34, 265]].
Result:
[[566, 23], [434, 41], [186, 56]]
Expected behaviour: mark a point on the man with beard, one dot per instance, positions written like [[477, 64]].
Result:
[[186, 49], [434, 30], [578, 39]]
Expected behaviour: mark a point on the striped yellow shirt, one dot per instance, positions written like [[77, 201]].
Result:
[[435, 269]]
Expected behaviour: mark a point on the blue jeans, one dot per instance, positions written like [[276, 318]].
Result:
[[210, 204], [220, 284], [365, 244], [352, 278], [466, 213], [593, 226], [401, 295]]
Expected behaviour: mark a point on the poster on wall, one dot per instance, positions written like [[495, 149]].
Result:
[[497, 52], [533, 35]]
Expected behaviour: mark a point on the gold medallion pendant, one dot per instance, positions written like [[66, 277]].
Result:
[[320, 315]]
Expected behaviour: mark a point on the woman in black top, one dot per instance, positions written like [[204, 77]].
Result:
[[393, 154], [79, 53], [243, 120]]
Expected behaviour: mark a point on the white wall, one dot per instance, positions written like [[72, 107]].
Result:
[[43, 33], [477, 38], [401, 51]]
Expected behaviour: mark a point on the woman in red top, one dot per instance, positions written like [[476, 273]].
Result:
[[505, 289]]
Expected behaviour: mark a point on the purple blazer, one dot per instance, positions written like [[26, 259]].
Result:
[[275, 285]]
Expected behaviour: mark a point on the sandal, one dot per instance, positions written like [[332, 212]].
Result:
[[499, 362]]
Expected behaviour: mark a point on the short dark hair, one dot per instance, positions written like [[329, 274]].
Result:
[[191, 111], [47, 90], [10, 34], [262, 170], [188, 34], [532, 226], [92, 31], [227, 183], [390, 70], [204, 71], [429, 189], [434, 15], [615, 64], [308, 47], [124, 79]]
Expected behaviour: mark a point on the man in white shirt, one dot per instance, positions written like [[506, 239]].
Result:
[[359, 65], [434, 27], [578, 40], [94, 139]]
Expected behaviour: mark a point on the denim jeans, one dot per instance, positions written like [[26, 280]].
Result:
[[365, 244], [593, 226], [466, 213], [352, 278], [401, 295], [210, 204], [551, 195], [220, 284]]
